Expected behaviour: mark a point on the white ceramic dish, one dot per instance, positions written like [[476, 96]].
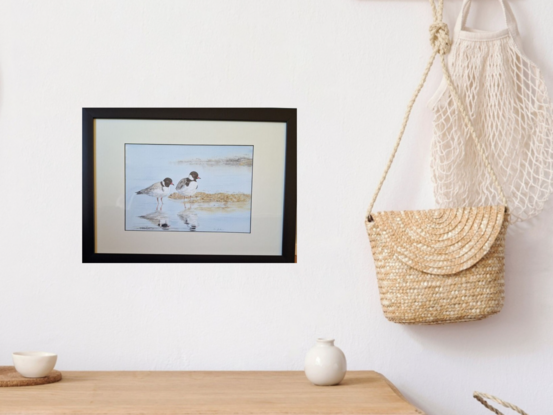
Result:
[[34, 364]]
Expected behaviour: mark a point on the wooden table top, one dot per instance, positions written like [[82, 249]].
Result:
[[213, 393]]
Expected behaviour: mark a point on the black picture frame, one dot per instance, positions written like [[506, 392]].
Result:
[[281, 115]]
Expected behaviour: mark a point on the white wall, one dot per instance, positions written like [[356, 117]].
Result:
[[349, 66]]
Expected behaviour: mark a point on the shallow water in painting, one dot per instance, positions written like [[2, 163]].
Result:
[[143, 215]]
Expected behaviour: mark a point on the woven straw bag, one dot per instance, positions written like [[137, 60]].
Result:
[[443, 265], [481, 397]]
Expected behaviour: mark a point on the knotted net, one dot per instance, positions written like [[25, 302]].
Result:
[[507, 101]]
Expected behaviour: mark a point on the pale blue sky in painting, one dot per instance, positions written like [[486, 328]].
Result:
[[150, 154]]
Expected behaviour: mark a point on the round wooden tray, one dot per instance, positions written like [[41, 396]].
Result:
[[10, 377]]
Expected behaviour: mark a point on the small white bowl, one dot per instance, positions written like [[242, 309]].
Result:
[[34, 364]]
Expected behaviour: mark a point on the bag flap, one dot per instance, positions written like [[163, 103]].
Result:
[[440, 241]]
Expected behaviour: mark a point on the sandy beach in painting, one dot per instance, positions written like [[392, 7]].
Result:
[[221, 202]]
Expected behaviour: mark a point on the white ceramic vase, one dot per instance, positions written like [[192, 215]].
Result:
[[325, 364]]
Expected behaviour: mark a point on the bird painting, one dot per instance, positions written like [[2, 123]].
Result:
[[221, 202], [158, 190], [188, 186]]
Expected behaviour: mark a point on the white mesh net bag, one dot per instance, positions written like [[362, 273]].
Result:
[[508, 103]]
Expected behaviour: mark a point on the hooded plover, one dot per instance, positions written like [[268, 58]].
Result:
[[188, 186], [158, 190]]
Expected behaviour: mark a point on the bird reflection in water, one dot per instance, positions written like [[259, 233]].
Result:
[[190, 219], [158, 218], [163, 224]]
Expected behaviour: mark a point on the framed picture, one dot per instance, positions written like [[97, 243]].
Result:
[[189, 185]]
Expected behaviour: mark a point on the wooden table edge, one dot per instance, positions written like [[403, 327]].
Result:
[[398, 393], [67, 376]]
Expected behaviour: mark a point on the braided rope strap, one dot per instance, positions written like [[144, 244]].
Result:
[[441, 45], [481, 397]]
